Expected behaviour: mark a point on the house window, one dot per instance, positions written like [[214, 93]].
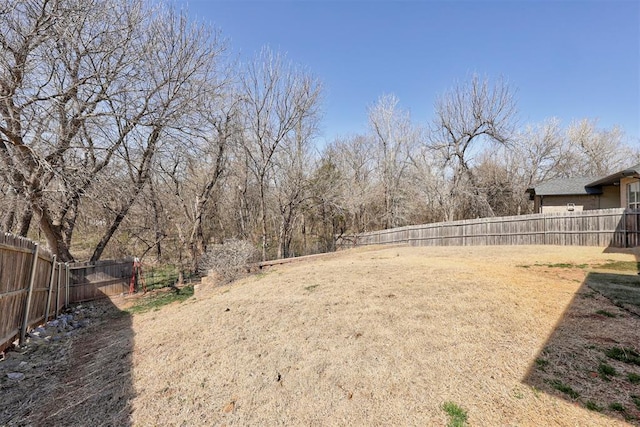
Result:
[[633, 195]]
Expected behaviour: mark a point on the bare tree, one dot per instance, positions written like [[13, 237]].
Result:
[[60, 62], [467, 117], [394, 137], [195, 170], [85, 86], [326, 214], [177, 72], [599, 151], [355, 163], [278, 99], [290, 183]]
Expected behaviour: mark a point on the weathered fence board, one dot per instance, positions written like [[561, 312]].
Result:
[[17, 272], [52, 290], [92, 281], [605, 227]]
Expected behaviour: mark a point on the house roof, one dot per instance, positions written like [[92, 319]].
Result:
[[613, 178], [581, 186], [565, 186]]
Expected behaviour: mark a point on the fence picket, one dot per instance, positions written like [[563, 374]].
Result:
[[606, 227], [30, 278]]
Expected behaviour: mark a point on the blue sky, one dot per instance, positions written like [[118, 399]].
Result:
[[565, 59]]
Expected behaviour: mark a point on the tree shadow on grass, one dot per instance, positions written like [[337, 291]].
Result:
[[81, 379], [592, 357]]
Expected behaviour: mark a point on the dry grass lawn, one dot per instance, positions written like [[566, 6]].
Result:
[[385, 337], [373, 336]]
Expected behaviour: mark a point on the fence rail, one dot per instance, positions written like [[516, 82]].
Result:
[[32, 287], [102, 279], [606, 227], [35, 288]]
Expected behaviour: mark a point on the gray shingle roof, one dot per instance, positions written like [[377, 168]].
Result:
[[608, 180], [581, 186], [565, 186]]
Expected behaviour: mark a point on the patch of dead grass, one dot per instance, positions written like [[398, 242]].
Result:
[[380, 337], [374, 336]]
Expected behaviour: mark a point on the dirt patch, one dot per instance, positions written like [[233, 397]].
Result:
[[83, 378]]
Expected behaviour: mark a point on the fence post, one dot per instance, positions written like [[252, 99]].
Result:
[[53, 273], [66, 277], [32, 278], [625, 235], [58, 289]]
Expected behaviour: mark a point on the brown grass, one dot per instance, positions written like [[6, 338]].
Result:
[[382, 336], [373, 337]]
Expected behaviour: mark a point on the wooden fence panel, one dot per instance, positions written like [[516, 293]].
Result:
[[38, 305], [15, 261], [606, 227], [89, 282], [93, 281]]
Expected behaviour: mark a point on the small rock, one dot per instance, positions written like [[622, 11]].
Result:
[[22, 364], [15, 376]]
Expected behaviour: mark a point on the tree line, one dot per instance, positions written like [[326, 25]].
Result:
[[128, 129]]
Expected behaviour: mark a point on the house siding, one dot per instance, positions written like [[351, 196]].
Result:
[[552, 204], [611, 197]]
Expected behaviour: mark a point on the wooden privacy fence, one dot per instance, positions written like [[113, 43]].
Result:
[[90, 281], [35, 288], [606, 227]]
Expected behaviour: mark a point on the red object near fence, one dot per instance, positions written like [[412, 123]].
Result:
[[137, 277]]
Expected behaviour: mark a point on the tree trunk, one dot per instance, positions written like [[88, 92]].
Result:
[[55, 239], [25, 221], [263, 214]]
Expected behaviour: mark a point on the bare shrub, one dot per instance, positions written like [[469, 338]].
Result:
[[229, 260]]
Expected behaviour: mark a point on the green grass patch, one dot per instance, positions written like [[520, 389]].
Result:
[[621, 289], [617, 406], [626, 355], [541, 363], [606, 371], [457, 415], [636, 400], [633, 378], [564, 388], [556, 265], [619, 266], [154, 302], [608, 279], [163, 276], [588, 295], [592, 406], [605, 313]]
